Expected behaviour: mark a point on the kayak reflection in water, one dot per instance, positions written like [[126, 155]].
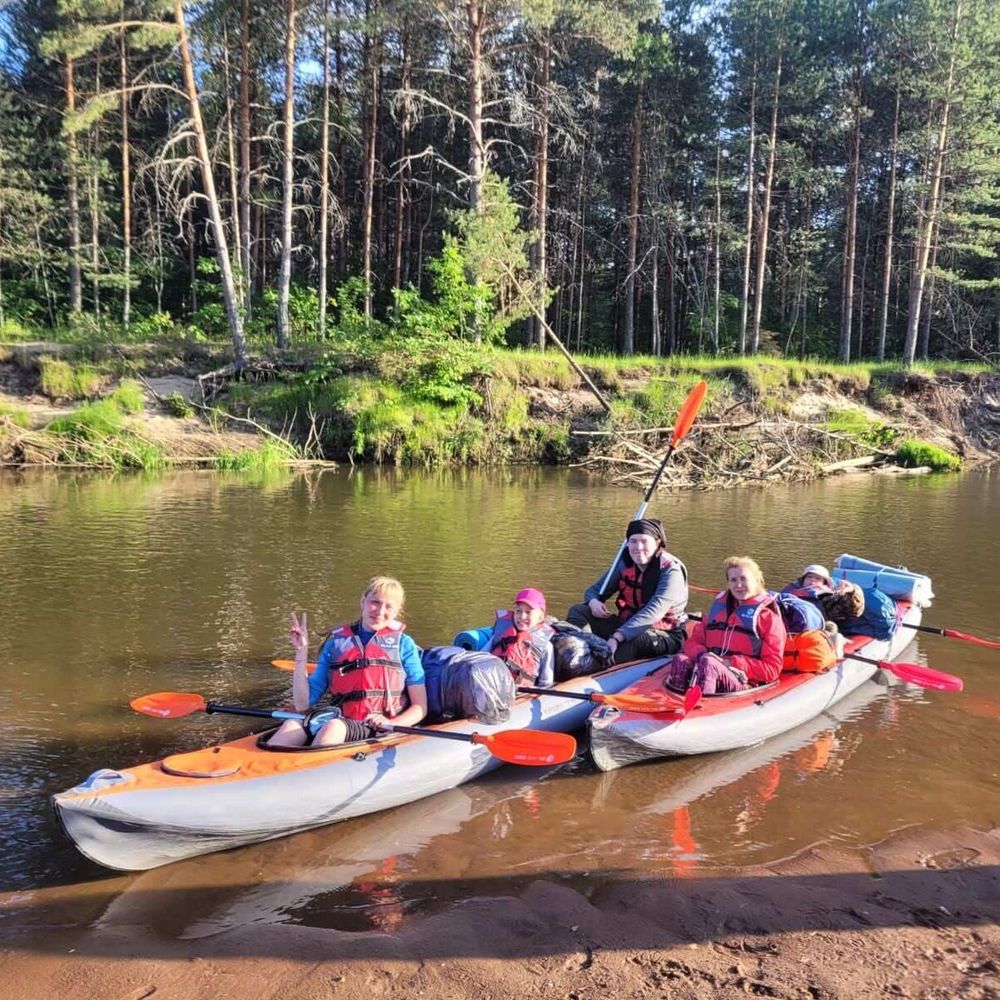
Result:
[[652, 595], [369, 668], [740, 642]]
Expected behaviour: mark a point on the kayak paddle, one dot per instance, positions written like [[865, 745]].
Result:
[[912, 673], [948, 633], [626, 702], [515, 746], [915, 673], [685, 418], [641, 703]]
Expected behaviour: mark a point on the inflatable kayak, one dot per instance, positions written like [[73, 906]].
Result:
[[241, 792], [742, 719]]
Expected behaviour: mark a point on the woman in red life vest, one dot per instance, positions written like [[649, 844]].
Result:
[[740, 642], [652, 595], [369, 668]]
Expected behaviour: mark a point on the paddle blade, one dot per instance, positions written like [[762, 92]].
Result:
[[641, 703], [169, 704], [290, 665], [688, 412], [914, 673], [534, 747], [953, 634], [691, 698]]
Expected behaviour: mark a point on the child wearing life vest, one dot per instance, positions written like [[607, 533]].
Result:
[[369, 668], [521, 637], [740, 642], [651, 595]]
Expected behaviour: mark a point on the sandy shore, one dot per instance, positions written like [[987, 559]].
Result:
[[915, 916]]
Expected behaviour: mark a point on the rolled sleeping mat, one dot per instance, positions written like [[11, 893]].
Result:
[[899, 584], [472, 638]]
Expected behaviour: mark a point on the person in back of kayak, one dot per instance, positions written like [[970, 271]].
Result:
[[652, 595], [740, 642], [369, 668], [521, 637]]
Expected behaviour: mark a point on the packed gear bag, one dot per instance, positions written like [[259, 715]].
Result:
[[879, 617], [844, 604], [799, 615], [578, 651], [811, 652], [461, 683]]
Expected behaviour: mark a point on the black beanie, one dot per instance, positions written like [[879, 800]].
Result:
[[651, 526]]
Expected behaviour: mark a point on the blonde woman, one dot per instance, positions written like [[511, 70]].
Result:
[[740, 642], [369, 668]]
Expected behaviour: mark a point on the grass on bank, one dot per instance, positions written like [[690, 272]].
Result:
[[914, 454]]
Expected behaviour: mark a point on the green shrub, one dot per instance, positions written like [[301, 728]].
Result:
[[913, 454], [90, 422], [129, 397], [177, 405], [271, 454], [858, 425], [17, 416], [62, 380]]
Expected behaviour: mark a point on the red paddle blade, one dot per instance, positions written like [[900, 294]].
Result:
[[953, 634], [169, 704], [290, 665], [534, 747], [642, 703], [914, 673], [691, 698], [688, 412]]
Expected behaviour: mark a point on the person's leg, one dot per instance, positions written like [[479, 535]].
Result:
[[343, 730], [650, 644], [579, 615], [714, 676], [681, 668], [291, 733]]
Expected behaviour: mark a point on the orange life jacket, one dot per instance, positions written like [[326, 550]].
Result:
[[636, 586], [521, 651], [732, 627]]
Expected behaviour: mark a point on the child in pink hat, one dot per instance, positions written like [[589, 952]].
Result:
[[520, 636]]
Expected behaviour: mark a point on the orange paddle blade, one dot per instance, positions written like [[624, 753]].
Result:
[[691, 698], [290, 665], [689, 411], [641, 703], [169, 704], [534, 747], [978, 640]]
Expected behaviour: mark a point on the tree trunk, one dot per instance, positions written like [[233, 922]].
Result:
[[628, 332], [288, 179], [925, 336], [925, 226], [765, 215], [542, 190], [718, 248], [245, 141], [234, 174], [751, 184], [656, 347], [371, 129], [402, 192], [126, 183], [851, 230], [476, 12], [890, 223], [73, 197], [343, 231], [324, 175], [218, 230]]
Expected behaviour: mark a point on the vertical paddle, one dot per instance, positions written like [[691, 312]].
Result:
[[685, 418]]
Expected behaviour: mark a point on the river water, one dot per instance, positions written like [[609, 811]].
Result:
[[114, 587]]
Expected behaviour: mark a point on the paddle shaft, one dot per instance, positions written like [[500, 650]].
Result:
[[263, 713], [578, 695], [638, 514]]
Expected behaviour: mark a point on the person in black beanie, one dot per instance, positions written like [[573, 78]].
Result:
[[652, 594]]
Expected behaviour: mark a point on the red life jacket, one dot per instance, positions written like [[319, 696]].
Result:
[[732, 627], [367, 677], [521, 651], [636, 586]]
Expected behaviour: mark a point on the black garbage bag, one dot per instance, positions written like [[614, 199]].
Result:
[[578, 651], [462, 683]]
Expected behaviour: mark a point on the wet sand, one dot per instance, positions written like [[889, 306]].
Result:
[[917, 915]]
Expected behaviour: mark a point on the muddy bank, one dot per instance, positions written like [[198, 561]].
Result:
[[915, 916]]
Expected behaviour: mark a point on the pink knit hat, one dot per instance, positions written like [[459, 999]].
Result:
[[532, 597]]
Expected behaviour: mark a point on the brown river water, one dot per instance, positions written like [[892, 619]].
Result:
[[115, 587]]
